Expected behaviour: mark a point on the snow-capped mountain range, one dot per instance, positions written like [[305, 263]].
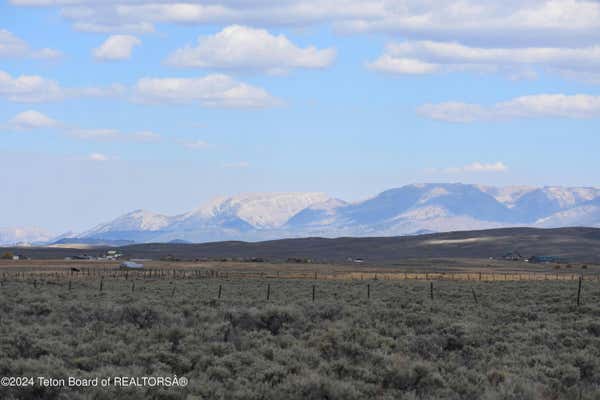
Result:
[[410, 209], [24, 236]]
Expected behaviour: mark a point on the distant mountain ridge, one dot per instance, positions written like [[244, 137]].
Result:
[[410, 209]]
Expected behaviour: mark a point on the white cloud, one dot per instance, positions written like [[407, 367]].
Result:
[[194, 144], [215, 90], [109, 135], [476, 167], [29, 89], [430, 57], [538, 22], [97, 157], [535, 106], [241, 47], [396, 65], [32, 119], [482, 167], [96, 134], [116, 47], [13, 46], [37, 89]]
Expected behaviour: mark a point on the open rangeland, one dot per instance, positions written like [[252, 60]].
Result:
[[233, 337]]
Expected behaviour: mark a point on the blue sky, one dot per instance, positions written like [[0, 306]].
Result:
[[111, 106]]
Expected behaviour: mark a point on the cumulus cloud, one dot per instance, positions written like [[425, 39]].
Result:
[[215, 90], [537, 22], [37, 89], [402, 65], [98, 157], [534, 106], [31, 119], [482, 167], [116, 47], [430, 57], [13, 46], [29, 88], [241, 47]]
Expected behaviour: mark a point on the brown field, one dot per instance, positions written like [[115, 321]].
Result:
[[433, 269]]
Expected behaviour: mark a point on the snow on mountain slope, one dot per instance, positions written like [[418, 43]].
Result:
[[320, 214], [507, 195], [138, 220], [568, 197], [423, 213], [261, 210], [21, 235], [587, 214], [543, 202]]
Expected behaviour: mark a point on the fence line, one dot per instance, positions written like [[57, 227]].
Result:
[[82, 274]]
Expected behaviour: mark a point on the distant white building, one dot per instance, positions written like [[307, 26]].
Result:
[[113, 255]]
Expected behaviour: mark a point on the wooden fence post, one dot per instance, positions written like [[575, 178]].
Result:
[[220, 291], [474, 296], [368, 291], [268, 291], [313, 294], [101, 283], [132, 286], [431, 290], [579, 293]]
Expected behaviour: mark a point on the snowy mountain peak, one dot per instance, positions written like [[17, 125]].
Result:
[[138, 220], [570, 196], [431, 207], [261, 210], [14, 235]]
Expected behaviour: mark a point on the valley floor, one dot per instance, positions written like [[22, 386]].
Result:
[[369, 339]]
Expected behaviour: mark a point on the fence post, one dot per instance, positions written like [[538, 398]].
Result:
[[431, 290], [220, 291], [268, 291], [368, 290], [474, 296], [173, 291], [313, 294], [579, 293], [101, 283], [132, 286], [69, 284]]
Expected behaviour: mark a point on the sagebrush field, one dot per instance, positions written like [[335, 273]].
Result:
[[473, 340]]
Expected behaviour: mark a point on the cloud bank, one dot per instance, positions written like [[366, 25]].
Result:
[[535, 106]]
